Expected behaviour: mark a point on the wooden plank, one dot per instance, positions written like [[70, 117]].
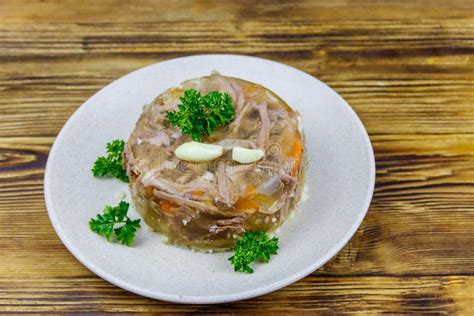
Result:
[[24, 11], [401, 78], [385, 40], [433, 294], [420, 221], [39, 98]]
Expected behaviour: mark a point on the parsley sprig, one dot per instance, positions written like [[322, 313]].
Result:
[[105, 224], [254, 246], [111, 165], [199, 115]]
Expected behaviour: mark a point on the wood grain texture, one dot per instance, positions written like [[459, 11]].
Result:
[[405, 67], [421, 68], [435, 295]]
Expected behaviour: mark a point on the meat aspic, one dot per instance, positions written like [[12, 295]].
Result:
[[207, 205]]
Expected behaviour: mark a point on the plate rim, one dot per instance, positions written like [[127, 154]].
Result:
[[225, 298]]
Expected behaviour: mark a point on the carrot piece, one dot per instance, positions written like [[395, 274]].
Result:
[[197, 193], [296, 153], [252, 200], [246, 203], [167, 207]]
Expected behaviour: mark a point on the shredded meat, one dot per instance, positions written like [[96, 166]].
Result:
[[235, 169], [150, 174], [275, 115], [286, 178], [234, 126], [224, 185], [230, 143], [234, 224], [129, 161], [178, 200], [160, 138], [184, 178], [227, 87], [290, 184], [234, 90], [264, 134], [239, 98], [183, 190]]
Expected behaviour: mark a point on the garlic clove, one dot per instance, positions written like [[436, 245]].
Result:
[[198, 152], [245, 155]]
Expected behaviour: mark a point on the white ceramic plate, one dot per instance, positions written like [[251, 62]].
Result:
[[340, 182]]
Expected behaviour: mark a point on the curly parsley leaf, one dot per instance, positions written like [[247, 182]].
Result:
[[198, 115], [105, 224], [254, 246], [126, 234], [111, 165]]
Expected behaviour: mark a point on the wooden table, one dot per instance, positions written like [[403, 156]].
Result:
[[406, 67]]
